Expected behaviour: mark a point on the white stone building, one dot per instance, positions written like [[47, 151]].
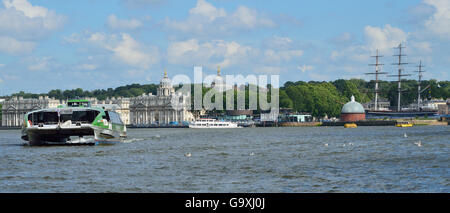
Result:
[[15, 108], [163, 108]]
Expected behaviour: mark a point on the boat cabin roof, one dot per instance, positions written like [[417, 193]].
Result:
[[78, 103]]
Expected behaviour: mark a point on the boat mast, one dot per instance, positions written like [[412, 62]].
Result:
[[418, 88], [399, 75], [376, 73]]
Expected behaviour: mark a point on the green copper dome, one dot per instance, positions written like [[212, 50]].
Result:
[[353, 107]]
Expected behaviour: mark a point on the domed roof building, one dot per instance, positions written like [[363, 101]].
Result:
[[166, 107], [219, 83], [353, 111], [165, 87]]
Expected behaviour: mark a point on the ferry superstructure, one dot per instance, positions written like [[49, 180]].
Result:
[[78, 118], [204, 123]]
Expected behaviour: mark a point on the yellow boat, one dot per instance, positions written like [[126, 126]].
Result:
[[404, 124], [350, 125]]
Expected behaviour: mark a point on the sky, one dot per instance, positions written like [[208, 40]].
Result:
[[100, 44]]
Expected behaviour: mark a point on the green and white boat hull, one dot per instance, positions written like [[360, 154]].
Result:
[[59, 125]]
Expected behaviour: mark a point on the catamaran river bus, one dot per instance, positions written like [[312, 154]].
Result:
[[60, 125]]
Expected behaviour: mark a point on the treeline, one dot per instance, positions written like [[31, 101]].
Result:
[[327, 98], [132, 90], [318, 98]]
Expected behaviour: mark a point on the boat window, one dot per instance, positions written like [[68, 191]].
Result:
[[108, 118], [114, 117], [65, 117], [85, 116], [44, 117], [79, 104]]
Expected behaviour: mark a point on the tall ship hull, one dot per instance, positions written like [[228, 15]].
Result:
[[61, 125], [401, 113]]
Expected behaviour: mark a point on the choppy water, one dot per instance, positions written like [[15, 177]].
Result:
[[308, 159]]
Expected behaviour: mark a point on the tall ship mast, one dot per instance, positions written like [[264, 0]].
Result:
[[399, 75], [376, 73], [417, 112], [420, 71]]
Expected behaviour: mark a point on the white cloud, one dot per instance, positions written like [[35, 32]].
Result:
[[122, 24], [122, 47], [15, 47], [225, 54], [22, 24], [305, 68], [278, 42], [210, 53], [205, 19], [25, 7], [439, 22], [248, 18], [207, 10], [383, 38], [280, 50], [73, 38], [344, 39], [25, 21], [128, 50], [41, 64], [422, 46]]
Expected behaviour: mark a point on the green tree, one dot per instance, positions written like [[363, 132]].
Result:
[[285, 101]]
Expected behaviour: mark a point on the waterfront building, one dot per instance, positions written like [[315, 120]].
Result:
[[433, 104], [238, 115], [383, 104], [289, 115], [353, 111], [219, 83], [443, 108], [15, 108], [298, 118], [166, 107]]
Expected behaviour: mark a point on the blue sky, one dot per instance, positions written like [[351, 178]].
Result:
[[98, 44]]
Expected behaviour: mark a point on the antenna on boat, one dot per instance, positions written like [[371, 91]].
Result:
[[399, 75], [376, 73], [420, 71]]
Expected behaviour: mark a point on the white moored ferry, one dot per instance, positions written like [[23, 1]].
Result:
[[212, 123]]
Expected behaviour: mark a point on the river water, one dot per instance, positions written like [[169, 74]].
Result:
[[298, 159]]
